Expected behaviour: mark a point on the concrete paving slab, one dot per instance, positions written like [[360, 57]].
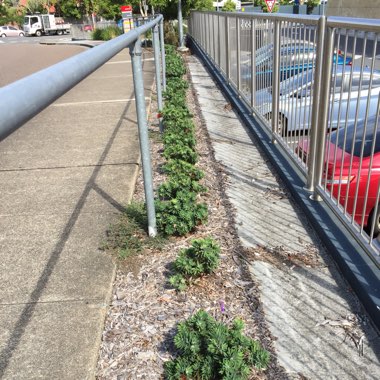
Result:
[[64, 176], [306, 305], [50, 340], [78, 135], [46, 191]]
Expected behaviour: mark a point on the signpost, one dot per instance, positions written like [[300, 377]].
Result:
[[126, 15], [270, 5]]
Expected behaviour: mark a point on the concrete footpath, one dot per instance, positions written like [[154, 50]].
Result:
[[64, 177], [320, 329]]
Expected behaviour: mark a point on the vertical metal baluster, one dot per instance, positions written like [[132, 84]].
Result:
[[253, 63], [163, 61], [138, 82], [238, 57], [320, 125], [156, 52], [276, 77], [228, 56]]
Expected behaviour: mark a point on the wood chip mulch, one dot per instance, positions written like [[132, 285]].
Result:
[[144, 311]]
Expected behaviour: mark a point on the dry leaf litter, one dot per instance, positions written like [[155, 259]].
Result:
[[145, 310]]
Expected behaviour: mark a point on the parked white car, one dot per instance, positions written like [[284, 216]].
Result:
[[10, 31], [295, 100]]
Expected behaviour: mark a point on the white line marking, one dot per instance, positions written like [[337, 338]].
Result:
[[96, 102]]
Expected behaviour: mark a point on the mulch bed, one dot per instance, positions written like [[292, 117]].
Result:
[[145, 309]]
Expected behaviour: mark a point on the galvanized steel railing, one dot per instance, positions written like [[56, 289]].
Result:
[[17, 106], [314, 83]]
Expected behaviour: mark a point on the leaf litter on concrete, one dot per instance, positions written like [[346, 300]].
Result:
[[141, 321]]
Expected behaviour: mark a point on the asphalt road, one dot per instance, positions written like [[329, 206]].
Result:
[[22, 59]]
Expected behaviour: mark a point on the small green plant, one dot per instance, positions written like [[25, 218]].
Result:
[[169, 137], [174, 66], [180, 151], [176, 184], [201, 258], [210, 350], [180, 215], [183, 168]]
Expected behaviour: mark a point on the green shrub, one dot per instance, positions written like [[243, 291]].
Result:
[[107, 33], [173, 137], [175, 112], [179, 151], [174, 66], [183, 168], [201, 258], [173, 186], [180, 215], [210, 350]]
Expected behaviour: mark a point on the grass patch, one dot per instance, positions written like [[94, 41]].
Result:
[[129, 237]]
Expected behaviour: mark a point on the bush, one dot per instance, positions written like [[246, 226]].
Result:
[[210, 350], [107, 33], [180, 215], [201, 258]]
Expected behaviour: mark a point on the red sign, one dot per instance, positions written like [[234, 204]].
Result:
[[126, 8], [270, 4]]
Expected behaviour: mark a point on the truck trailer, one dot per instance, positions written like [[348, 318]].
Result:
[[39, 24]]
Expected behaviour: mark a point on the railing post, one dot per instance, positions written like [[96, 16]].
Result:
[[324, 110], [317, 100], [228, 57], [156, 50], [138, 82], [180, 29], [238, 52], [163, 62], [253, 62], [276, 77]]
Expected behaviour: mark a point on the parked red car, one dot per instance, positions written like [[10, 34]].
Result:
[[348, 176]]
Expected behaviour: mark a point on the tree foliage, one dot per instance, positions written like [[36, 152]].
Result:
[[229, 6], [10, 14]]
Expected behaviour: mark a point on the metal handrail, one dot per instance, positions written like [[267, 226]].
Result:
[[17, 106]]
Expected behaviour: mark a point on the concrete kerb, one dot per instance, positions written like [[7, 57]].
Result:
[[356, 266]]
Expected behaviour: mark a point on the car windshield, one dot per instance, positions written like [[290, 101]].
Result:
[[354, 140]]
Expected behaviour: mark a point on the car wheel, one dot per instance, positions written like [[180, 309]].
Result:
[[3, 35], [374, 220], [59, 32], [21, 34], [282, 125], [38, 33]]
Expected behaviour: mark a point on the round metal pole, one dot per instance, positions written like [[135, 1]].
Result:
[[323, 110], [136, 52], [163, 63], [156, 50], [317, 101], [180, 29]]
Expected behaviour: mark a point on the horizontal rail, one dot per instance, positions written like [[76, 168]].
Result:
[[56, 80], [365, 24]]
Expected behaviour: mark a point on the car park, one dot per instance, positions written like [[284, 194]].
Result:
[[352, 169], [10, 31], [294, 59], [352, 91]]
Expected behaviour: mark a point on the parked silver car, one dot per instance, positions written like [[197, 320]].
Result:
[[10, 31], [351, 91]]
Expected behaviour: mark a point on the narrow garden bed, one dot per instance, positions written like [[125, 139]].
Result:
[[146, 309]]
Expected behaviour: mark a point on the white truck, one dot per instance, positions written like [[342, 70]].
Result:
[[38, 24]]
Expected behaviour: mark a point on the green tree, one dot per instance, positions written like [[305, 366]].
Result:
[[9, 14], [229, 6]]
